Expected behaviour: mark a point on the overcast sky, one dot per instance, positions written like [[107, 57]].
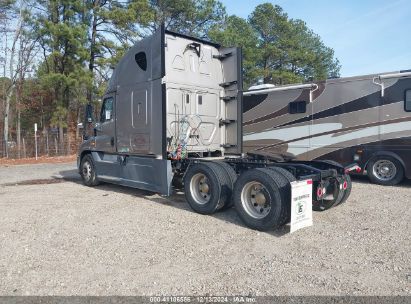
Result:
[[368, 36]]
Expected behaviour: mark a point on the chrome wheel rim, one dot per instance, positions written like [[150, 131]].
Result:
[[200, 189], [384, 170], [87, 170], [255, 200]]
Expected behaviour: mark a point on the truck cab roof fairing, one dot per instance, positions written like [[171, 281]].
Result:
[[216, 45], [128, 71]]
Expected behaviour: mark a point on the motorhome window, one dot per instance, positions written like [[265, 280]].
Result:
[[297, 107], [408, 100], [107, 110], [141, 60]]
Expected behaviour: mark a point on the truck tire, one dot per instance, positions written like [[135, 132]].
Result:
[[385, 170], [326, 204], [347, 178], [232, 177], [260, 200], [207, 187], [88, 171], [289, 178], [347, 191]]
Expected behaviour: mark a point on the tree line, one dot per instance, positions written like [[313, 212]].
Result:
[[57, 55]]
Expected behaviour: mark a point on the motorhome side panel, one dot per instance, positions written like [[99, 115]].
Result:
[[344, 114], [347, 115], [268, 121], [393, 127]]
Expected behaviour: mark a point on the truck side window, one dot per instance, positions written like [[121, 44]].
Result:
[[107, 110], [407, 101], [296, 107]]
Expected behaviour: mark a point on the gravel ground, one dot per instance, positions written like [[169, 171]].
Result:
[[68, 239]]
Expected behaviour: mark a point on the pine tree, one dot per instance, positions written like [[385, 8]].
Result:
[[277, 49], [289, 51], [111, 29], [63, 39], [190, 17]]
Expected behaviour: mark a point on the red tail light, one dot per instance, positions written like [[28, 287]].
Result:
[[345, 185], [355, 168], [320, 192]]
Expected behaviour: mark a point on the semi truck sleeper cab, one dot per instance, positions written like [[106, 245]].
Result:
[[172, 118]]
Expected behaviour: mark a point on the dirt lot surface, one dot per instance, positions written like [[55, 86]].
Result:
[[62, 238]]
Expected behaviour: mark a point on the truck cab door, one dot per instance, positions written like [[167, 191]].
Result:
[[105, 129]]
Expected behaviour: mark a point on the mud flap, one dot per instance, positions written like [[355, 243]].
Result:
[[301, 204]]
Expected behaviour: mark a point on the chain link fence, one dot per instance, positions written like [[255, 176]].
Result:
[[48, 144]]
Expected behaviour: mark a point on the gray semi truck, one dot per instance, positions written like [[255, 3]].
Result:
[[171, 118]]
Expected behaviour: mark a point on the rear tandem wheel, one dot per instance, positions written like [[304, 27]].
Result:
[[260, 198], [232, 176]]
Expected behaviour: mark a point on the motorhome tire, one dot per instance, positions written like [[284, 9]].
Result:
[[232, 177], [88, 172], [259, 199], [385, 170], [206, 187]]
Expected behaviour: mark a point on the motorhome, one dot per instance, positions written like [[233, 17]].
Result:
[[171, 118], [364, 119]]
